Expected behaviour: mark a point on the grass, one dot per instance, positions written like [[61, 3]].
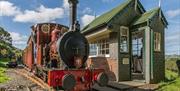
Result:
[[3, 77], [3, 62], [171, 83]]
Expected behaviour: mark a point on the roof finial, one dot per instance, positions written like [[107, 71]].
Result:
[[159, 3], [94, 14]]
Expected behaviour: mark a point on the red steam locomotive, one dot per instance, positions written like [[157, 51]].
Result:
[[58, 56]]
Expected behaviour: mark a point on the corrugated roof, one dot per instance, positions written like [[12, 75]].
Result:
[[146, 16], [106, 17]]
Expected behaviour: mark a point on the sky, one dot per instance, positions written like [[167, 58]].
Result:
[[16, 16]]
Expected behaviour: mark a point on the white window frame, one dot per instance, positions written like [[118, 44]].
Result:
[[157, 41], [98, 50], [122, 35], [92, 45]]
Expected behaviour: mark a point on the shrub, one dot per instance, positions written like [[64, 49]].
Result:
[[170, 64]]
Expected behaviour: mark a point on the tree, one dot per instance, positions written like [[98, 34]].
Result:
[[5, 36], [6, 47]]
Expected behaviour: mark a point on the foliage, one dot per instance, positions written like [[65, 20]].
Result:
[[170, 64], [172, 82], [5, 36], [6, 51], [3, 62], [3, 77], [6, 48]]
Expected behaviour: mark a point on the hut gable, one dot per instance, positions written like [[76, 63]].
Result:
[[130, 9], [150, 17]]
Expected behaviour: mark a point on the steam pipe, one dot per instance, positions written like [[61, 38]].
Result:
[[73, 12]]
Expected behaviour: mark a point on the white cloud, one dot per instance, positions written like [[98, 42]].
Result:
[[8, 9], [107, 0], [65, 4], [41, 14], [172, 42], [172, 38], [87, 10], [86, 19], [173, 13], [22, 47], [19, 40], [17, 36]]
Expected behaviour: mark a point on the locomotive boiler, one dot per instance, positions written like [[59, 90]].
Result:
[[59, 56]]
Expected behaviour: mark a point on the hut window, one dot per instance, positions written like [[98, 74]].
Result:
[[93, 48], [157, 41], [124, 39], [100, 48]]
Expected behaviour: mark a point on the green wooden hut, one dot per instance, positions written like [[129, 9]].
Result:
[[128, 42]]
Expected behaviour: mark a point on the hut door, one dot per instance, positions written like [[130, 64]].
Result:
[[137, 63], [124, 54]]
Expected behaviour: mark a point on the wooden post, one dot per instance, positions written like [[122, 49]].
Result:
[[147, 54]]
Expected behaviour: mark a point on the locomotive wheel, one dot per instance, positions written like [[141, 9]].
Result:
[[68, 82], [102, 79]]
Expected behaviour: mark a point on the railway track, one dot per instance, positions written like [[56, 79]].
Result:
[[40, 84]]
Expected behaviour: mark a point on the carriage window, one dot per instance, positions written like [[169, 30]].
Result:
[[124, 39], [99, 48], [157, 41]]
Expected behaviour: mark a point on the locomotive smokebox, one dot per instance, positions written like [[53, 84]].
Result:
[[73, 12], [73, 47]]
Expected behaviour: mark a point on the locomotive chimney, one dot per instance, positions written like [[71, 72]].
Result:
[[73, 12]]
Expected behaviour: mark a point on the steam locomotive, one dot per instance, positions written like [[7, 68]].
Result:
[[58, 56]]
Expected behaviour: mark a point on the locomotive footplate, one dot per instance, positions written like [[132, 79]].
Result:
[[76, 80]]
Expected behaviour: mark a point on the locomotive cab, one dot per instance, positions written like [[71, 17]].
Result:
[[44, 37]]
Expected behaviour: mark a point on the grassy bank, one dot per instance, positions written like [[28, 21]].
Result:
[[3, 77], [172, 81]]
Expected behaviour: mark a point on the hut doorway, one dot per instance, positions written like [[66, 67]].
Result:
[[137, 61]]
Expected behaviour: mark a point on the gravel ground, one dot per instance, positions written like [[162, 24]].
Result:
[[18, 83]]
